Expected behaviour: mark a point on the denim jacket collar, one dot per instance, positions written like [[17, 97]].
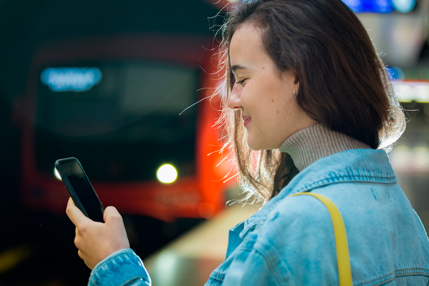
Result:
[[357, 165]]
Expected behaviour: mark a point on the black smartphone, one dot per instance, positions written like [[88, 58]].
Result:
[[80, 188]]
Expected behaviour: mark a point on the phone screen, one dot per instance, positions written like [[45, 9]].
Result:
[[84, 195]]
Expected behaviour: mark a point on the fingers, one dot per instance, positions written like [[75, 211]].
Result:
[[70, 201], [111, 214], [114, 221], [75, 215], [96, 241]]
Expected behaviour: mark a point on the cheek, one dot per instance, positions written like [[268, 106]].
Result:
[[236, 88], [248, 93], [249, 86], [275, 97]]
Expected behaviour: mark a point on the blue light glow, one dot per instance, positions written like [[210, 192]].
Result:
[[404, 6], [71, 79], [355, 5], [396, 73], [370, 6]]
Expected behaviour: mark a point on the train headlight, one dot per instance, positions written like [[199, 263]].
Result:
[[166, 174]]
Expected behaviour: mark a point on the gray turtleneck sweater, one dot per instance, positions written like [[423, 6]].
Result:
[[315, 142]]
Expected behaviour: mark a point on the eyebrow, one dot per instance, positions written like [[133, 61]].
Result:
[[237, 67]]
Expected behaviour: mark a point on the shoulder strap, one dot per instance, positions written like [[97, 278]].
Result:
[[343, 258]]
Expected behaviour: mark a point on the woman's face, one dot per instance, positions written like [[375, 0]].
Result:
[[269, 110]]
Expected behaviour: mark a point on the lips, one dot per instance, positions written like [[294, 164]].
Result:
[[246, 120]]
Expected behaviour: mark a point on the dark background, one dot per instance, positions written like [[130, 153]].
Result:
[[36, 247]]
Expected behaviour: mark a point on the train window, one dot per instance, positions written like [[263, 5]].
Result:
[[122, 127]]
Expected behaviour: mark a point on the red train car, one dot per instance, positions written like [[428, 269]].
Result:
[[114, 102]]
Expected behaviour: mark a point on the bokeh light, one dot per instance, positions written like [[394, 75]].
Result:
[[167, 174]]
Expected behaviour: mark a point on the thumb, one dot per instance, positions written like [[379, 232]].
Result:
[[75, 214], [111, 214]]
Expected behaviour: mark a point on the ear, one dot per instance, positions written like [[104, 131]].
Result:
[[296, 80]]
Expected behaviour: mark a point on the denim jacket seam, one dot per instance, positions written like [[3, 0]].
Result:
[[247, 249], [105, 263], [426, 271], [134, 278], [270, 265], [215, 273], [110, 260], [251, 227], [413, 273], [238, 225], [129, 280], [335, 180], [382, 280]]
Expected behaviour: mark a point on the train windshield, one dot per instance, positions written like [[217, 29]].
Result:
[[120, 119]]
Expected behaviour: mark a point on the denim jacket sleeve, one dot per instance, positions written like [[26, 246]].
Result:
[[122, 268]]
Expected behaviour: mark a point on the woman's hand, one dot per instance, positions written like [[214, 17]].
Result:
[[96, 240]]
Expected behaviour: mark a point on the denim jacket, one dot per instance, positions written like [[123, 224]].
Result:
[[290, 241]]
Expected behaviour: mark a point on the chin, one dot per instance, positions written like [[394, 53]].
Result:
[[255, 146], [252, 145]]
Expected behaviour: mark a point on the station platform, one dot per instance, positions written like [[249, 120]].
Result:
[[191, 258]]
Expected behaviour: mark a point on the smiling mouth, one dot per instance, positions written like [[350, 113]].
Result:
[[247, 121]]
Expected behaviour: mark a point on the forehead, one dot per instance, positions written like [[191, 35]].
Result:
[[246, 48]]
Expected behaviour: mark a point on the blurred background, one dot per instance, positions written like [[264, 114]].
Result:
[[105, 81]]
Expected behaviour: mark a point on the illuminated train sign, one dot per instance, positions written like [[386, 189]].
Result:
[[71, 79]]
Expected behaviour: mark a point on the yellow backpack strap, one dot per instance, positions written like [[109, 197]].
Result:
[[343, 258]]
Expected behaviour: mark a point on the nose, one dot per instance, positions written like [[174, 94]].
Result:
[[234, 101]]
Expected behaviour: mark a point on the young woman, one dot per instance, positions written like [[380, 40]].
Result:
[[307, 90]]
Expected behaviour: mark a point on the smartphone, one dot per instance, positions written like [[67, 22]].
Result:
[[80, 188]]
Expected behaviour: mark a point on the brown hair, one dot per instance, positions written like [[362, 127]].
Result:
[[343, 82]]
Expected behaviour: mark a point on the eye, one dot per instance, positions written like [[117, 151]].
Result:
[[241, 81]]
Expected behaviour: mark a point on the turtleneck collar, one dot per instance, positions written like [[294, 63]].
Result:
[[315, 142]]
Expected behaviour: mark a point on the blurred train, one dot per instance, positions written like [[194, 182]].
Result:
[[114, 103]]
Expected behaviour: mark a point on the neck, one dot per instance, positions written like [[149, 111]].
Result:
[[315, 142]]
